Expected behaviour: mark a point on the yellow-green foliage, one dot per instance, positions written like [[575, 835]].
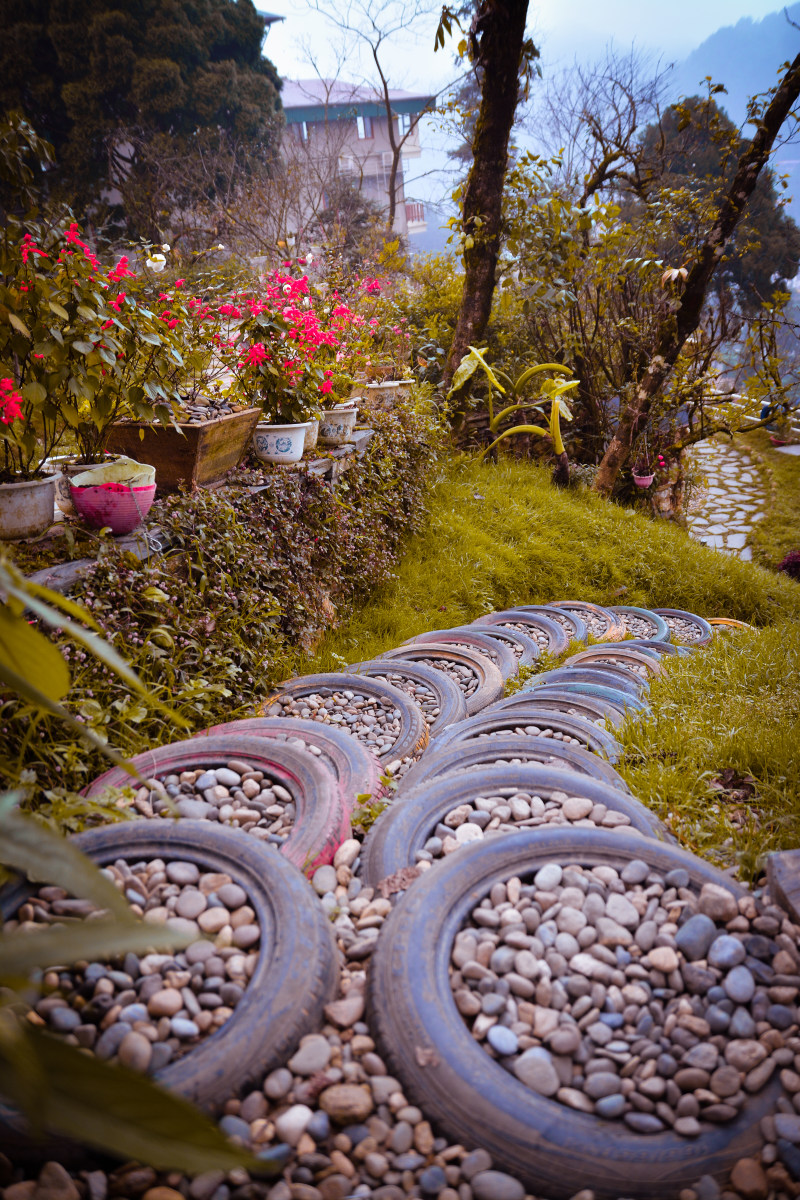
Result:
[[501, 535], [779, 532], [734, 707]]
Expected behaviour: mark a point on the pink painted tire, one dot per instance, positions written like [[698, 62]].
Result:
[[356, 768], [322, 822]]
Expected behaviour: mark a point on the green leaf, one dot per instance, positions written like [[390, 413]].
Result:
[[45, 857], [21, 953], [19, 324], [25, 650], [83, 347], [517, 429], [526, 376], [489, 372], [86, 313], [58, 309], [152, 339], [465, 370], [35, 392], [117, 1110]]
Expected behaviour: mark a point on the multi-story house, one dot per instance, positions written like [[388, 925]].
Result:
[[344, 129]]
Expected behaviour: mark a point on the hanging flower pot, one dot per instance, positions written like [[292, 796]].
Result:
[[643, 481], [118, 496], [280, 443]]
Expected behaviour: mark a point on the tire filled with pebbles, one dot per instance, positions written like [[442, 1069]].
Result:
[[532, 722], [382, 717], [357, 769], [707, 1000], [545, 631], [686, 628], [524, 648], [498, 652], [480, 681], [601, 623], [570, 620], [643, 665], [439, 699], [615, 678], [569, 684], [284, 796], [449, 813], [642, 622], [513, 749], [206, 1019], [596, 710]]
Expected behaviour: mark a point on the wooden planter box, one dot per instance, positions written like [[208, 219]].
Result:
[[201, 456]]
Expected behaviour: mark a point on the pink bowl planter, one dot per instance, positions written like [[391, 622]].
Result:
[[116, 505], [643, 481]]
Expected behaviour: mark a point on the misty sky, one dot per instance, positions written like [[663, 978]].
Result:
[[562, 29]]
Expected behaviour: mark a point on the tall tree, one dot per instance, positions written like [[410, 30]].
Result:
[[498, 47], [101, 78], [681, 324]]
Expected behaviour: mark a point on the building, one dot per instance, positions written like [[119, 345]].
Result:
[[348, 124]]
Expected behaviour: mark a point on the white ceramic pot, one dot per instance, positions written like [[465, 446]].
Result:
[[336, 426], [280, 443], [385, 395], [312, 433], [26, 509]]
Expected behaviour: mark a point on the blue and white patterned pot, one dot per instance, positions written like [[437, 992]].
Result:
[[280, 443], [336, 426]]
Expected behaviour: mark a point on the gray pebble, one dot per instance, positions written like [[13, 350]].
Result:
[[695, 936], [495, 1185]]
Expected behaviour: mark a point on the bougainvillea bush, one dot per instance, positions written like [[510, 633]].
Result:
[[249, 580]]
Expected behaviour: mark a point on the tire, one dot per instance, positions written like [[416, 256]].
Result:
[[524, 648], [497, 652], [322, 821], [296, 974], [404, 828], [356, 768], [592, 707], [659, 630], [618, 679], [423, 1040], [726, 624], [500, 718], [644, 646], [490, 680], [547, 633], [487, 750], [624, 702], [449, 696], [571, 622], [413, 731], [643, 665], [601, 623], [706, 633]]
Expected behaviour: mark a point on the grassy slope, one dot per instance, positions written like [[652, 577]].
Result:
[[779, 532], [500, 535], [734, 707]]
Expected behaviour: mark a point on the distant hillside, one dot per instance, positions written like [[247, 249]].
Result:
[[746, 58]]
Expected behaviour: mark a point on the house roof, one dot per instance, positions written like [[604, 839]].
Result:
[[332, 99]]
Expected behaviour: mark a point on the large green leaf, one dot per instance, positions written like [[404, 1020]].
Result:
[[527, 375], [117, 1110], [21, 953], [517, 429], [25, 650], [465, 370], [43, 856], [489, 372]]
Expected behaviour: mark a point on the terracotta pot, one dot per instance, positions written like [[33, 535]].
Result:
[[280, 443], [26, 508], [194, 454]]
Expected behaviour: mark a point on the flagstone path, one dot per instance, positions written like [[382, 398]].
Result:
[[723, 511]]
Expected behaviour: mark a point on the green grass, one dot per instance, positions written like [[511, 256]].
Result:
[[734, 709], [501, 535], [779, 532]]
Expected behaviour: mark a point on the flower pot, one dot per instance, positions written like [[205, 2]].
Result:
[[68, 470], [384, 396], [120, 500], [312, 433], [26, 508], [280, 443], [643, 481], [193, 454], [336, 426]]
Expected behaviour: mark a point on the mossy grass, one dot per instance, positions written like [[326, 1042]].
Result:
[[500, 534], [779, 532], [718, 759]]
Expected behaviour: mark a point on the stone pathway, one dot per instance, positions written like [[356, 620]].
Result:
[[722, 512]]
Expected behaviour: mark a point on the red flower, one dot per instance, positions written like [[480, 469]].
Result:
[[10, 402]]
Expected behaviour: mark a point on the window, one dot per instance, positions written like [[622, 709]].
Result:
[[404, 123], [364, 127], [300, 131]]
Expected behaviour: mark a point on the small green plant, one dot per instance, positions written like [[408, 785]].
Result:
[[365, 816]]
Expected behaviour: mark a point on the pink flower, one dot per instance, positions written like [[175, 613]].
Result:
[[10, 402], [256, 355], [27, 247]]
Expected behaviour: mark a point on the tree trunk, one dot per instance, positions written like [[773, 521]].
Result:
[[678, 326], [497, 39]]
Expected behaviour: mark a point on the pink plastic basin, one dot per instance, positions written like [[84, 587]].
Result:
[[116, 505]]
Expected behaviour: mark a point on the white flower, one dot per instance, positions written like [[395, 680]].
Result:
[[219, 246], [309, 258], [165, 248], [156, 262]]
